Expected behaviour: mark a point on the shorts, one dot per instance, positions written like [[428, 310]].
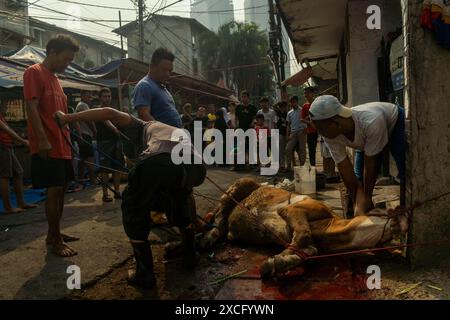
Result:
[[85, 147], [110, 155], [9, 165], [46, 173]]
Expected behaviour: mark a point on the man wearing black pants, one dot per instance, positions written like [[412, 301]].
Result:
[[156, 183], [311, 132]]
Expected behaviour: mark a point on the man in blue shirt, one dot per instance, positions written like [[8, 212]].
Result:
[[151, 98]]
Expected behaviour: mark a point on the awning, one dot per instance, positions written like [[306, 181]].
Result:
[[11, 75], [299, 78], [321, 71], [315, 27]]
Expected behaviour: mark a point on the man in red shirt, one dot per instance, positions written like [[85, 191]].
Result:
[[10, 166], [51, 165], [311, 132]]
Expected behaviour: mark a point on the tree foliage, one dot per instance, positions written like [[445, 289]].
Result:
[[238, 44]]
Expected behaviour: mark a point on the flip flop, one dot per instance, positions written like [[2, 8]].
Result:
[[107, 199]]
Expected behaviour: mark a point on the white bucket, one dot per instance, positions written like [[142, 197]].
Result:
[[305, 179]]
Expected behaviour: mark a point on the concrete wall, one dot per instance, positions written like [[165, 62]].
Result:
[[91, 50], [428, 159], [364, 47], [17, 25]]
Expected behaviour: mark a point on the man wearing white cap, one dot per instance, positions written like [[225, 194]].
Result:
[[368, 128]]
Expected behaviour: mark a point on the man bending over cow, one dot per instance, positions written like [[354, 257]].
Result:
[[154, 184]]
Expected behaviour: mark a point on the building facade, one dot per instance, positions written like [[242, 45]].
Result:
[[212, 13], [14, 29], [177, 34], [93, 52]]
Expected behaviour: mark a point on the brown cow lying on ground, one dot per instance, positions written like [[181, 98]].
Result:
[[276, 216]]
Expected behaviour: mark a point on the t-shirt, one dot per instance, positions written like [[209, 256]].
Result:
[[158, 139], [305, 114], [156, 96], [259, 129], [282, 122], [270, 118], [374, 123], [40, 83], [245, 115], [155, 137], [188, 122], [84, 127], [204, 121], [232, 117], [225, 115], [293, 117], [5, 138]]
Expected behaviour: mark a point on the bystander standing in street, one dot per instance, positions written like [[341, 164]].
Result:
[[10, 167], [296, 131], [110, 150], [311, 132], [87, 135], [51, 162], [151, 98]]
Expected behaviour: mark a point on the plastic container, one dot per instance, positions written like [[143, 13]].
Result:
[[305, 179]]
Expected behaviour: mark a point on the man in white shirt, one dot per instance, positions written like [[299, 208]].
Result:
[[88, 132], [369, 128], [270, 116]]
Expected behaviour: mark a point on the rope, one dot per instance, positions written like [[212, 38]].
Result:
[[305, 256], [287, 245], [88, 162], [99, 150]]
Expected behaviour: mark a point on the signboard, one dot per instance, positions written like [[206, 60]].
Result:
[[396, 58]]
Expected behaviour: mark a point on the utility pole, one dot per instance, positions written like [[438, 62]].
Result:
[[273, 42], [277, 54], [281, 48], [121, 37], [141, 29]]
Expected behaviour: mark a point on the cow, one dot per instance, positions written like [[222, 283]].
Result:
[[265, 215]]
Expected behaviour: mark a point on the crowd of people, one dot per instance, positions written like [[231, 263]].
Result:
[[296, 134]]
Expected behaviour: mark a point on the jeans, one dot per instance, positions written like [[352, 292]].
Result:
[[296, 139], [312, 147], [396, 146]]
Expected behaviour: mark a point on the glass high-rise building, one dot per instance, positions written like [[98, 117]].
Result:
[[257, 11], [212, 13]]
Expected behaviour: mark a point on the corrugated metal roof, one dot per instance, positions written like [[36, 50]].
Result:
[[315, 27]]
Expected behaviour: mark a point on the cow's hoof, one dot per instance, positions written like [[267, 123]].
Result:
[[209, 239], [267, 269]]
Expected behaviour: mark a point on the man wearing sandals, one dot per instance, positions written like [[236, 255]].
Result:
[[110, 149], [51, 163], [155, 183]]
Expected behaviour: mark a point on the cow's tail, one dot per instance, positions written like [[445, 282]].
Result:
[[238, 191]]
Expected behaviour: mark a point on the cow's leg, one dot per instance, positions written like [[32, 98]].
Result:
[[283, 262], [297, 216], [239, 190]]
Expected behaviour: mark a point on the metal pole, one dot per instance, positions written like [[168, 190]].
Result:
[[281, 49], [273, 42], [141, 29], [121, 37]]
